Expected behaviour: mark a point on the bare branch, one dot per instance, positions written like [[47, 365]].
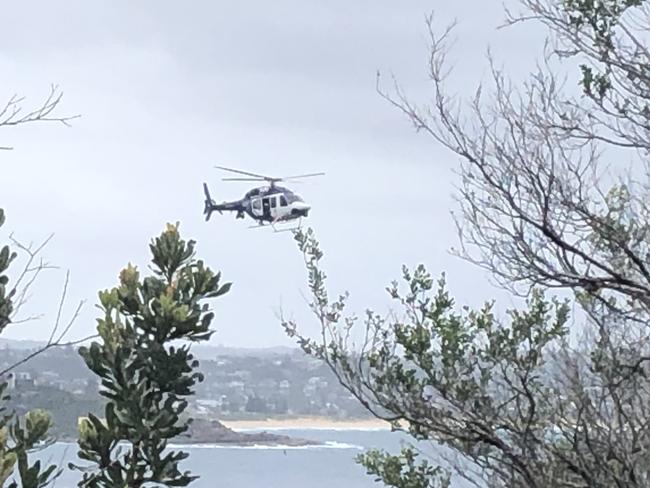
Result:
[[13, 112], [32, 269]]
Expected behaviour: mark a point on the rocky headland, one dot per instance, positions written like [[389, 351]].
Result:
[[214, 432]]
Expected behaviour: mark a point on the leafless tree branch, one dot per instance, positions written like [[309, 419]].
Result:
[[14, 113], [32, 269]]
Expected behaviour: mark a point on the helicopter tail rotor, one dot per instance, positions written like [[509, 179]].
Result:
[[209, 203]]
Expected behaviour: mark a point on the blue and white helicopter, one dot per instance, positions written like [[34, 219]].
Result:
[[267, 205]]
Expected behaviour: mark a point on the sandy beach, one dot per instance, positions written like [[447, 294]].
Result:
[[321, 423]]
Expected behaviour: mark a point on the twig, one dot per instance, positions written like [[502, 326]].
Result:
[[12, 113]]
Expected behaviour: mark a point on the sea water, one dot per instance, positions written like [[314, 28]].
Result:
[[329, 465]]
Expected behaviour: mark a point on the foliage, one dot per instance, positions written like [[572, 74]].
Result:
[[402, 471], [463, 379], [6, 294], [144, 377], [19, 436], [597, 21], [28, 434]]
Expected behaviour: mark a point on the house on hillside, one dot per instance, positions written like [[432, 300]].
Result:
[[23, 379]]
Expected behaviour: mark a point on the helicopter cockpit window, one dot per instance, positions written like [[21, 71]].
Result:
[[283, 201], [257, 204], [273, 202], [292, 197]]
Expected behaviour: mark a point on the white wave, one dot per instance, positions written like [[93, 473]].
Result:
[[322, 445], [325, 445], [301, 428]]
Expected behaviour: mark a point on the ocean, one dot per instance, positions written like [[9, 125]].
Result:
[[331, 465]]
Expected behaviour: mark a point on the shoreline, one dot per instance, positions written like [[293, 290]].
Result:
[[306, 423], [262, 434]]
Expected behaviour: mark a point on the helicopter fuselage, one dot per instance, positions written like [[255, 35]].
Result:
[[274, 204], [266, 204]]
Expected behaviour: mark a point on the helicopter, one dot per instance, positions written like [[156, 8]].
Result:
[[267, 205]]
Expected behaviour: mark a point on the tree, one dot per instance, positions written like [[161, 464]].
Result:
[[145, 377], [525, 400], [19, 436]]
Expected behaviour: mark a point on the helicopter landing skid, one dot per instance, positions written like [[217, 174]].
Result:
[[275, 229]]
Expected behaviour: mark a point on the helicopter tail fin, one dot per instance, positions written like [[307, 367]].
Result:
[[209, 203]]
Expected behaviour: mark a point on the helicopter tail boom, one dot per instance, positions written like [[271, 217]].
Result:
[[210, 206]]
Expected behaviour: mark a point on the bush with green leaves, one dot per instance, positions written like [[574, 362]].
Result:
[[146, 374], [462, 379]]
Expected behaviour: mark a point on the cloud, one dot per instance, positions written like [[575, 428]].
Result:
[[166, 90]]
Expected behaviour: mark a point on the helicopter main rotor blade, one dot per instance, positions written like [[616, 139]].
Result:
[[245, 173], [309, 175], [243, 179]]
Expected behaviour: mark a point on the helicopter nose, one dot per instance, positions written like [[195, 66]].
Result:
[[301, 208]]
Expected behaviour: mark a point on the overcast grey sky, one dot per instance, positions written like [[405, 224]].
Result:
[[168, 89]]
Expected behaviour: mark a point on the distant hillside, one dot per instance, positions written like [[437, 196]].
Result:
[[239, 383], [200, 351], [20, 344], [211, 352]]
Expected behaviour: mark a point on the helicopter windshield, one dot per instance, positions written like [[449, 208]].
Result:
[[292, 197]]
